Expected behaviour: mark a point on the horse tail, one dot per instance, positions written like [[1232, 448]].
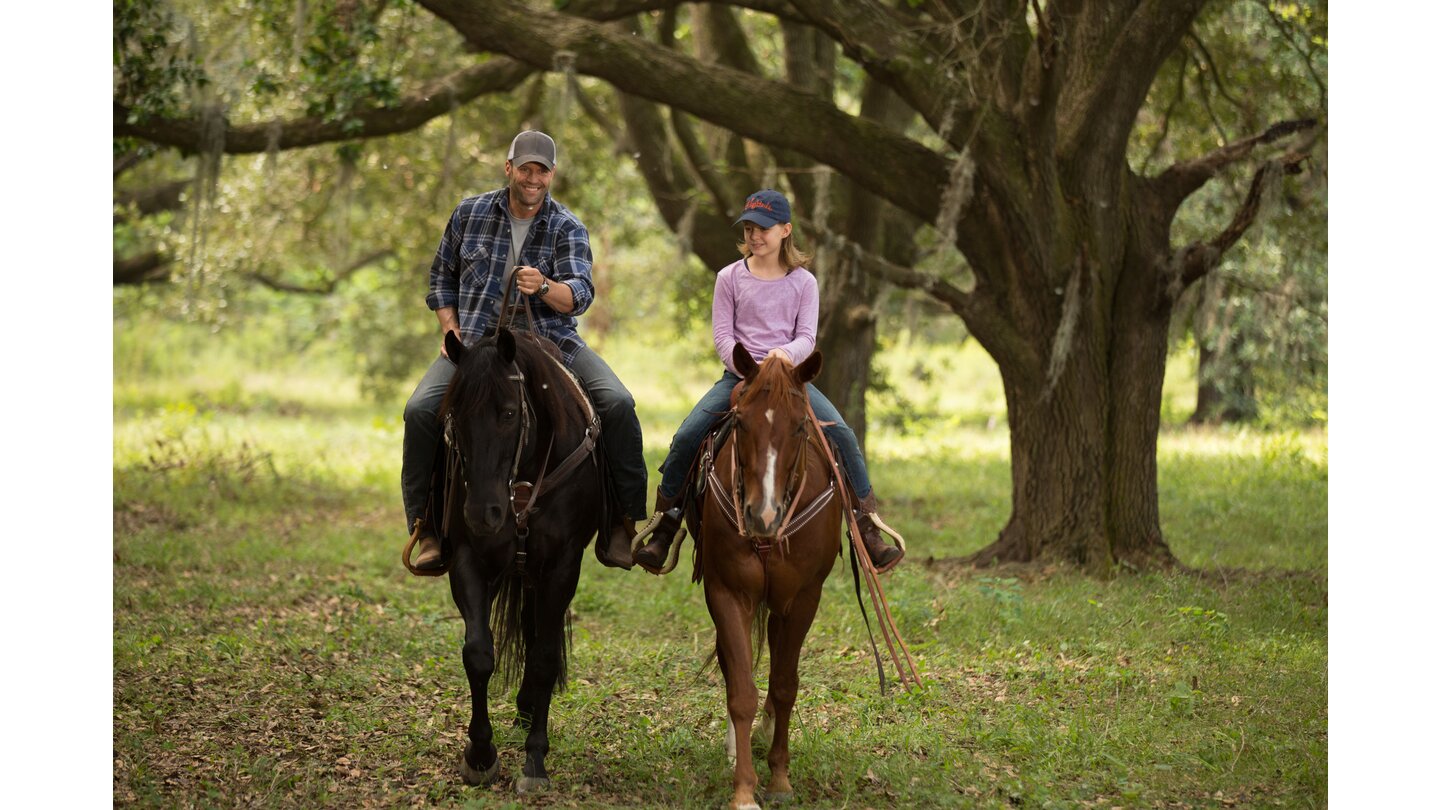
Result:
[[508, 629], [758, 630], [507, 625]]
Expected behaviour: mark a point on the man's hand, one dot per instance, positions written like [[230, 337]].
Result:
[[528, 279]]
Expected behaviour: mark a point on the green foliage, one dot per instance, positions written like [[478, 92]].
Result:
[[342, 58], [154, 67]]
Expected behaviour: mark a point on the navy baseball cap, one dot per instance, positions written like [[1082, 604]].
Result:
[[766, 208]]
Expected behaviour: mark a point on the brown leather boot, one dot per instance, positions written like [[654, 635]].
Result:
[[428, 558], [883, 556], [661, 528], [617, 546]]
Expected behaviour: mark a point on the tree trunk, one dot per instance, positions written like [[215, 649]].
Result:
[[1225, 385], [1084, 432], [847, 338], [1225, 391]]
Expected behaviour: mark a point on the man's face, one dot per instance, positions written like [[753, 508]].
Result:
[[528, 182]]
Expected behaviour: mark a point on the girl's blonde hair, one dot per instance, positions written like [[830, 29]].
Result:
[[790, 255]]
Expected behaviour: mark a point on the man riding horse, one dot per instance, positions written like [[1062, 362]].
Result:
[[519, 234]]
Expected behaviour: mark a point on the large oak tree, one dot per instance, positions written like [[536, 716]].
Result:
[[1001, 125]]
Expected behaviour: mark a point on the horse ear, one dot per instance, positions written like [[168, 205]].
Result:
[[505, 342], [744, 363], [810, 369], [454, 347]]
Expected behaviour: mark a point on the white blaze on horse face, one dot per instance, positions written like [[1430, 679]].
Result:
[[769, 509], [770, 415]]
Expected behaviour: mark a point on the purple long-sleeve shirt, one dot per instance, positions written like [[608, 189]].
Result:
[[764, 315]]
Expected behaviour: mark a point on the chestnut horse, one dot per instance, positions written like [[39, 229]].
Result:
[[769, 535], [533, 497]]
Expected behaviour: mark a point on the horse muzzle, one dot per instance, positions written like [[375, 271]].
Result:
[[485, 519], [764, 521]]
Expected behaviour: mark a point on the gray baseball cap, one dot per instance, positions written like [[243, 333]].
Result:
[[532, 146]]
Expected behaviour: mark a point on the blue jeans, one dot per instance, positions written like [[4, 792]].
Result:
[[619, 430], [711, 407]]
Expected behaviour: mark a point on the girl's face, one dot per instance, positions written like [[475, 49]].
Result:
[[765, 242]]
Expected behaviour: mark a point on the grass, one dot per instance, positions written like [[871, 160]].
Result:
[[270, 651]]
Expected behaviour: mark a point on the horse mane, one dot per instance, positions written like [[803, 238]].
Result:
[[552, 393]]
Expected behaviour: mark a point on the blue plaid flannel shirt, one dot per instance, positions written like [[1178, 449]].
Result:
[[469, 266]]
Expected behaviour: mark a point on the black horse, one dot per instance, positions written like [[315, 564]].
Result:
[[532, 498]]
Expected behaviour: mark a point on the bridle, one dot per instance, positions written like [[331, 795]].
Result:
[[523, 494], [794, 486]]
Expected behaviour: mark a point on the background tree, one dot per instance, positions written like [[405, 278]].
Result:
[[1257, 324], [982, 153]]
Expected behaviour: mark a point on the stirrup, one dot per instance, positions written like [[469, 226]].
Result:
[[674, 552], [886, 530], [415, 538]]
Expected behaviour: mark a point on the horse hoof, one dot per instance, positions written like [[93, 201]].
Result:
[[527, 785], [476, 778], [772, 799]]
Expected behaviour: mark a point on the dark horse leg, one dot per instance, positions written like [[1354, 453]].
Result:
[[544, 619], [787, 635], [480, 764]]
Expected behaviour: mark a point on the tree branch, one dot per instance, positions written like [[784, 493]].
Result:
[[978, 309], [1200, 85], [435, 99], [700, 230], [611, 10], [893, 47], [1215, 71], [152, 199], [767, 111], [612, 130], [1098, 115], [1193, 261], [326, 288], [142, 269], [1181, 180]]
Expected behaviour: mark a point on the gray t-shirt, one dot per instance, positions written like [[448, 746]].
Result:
[[519, 228]]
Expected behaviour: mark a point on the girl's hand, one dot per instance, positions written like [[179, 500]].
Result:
[[780, 353]]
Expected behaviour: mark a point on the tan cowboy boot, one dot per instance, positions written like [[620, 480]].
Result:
[[428, 558], [882, 555], [617, 547], [662, 527]]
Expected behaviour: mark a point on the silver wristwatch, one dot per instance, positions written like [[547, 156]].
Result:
[[544, 288]]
